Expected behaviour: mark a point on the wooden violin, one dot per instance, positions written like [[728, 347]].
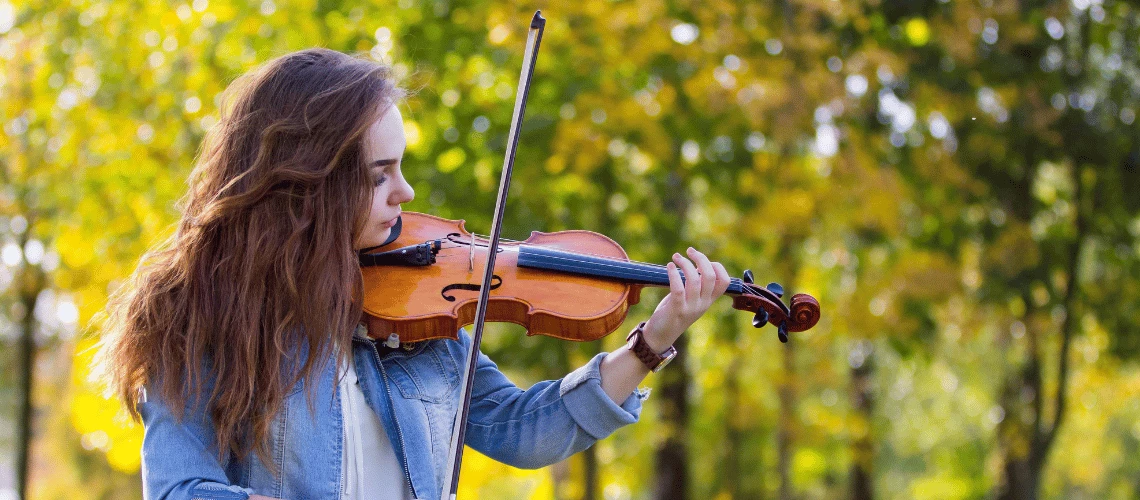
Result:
[[424, 283]]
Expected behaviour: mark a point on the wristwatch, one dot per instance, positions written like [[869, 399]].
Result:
[[654, 361]]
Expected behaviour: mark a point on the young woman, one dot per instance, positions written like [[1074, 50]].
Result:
[[238, 342]]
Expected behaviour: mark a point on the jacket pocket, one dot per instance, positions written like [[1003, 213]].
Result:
[[429, 374]]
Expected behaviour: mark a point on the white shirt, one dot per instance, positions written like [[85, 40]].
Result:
[[371, 469]]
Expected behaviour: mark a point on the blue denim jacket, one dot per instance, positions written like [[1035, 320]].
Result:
[[415, 393]]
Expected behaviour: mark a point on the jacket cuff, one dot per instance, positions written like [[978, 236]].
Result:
[[590, 407], [209, 490]]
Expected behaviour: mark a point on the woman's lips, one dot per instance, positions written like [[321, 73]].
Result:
[[390, 222]]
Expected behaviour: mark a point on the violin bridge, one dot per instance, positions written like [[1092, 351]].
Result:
[[471, 256]]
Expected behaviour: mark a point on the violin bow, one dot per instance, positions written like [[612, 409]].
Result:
[[459, 430]]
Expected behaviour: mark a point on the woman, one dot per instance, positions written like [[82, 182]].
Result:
[[238, 342]]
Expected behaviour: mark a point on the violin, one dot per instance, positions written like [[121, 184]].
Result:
[[424, 283]]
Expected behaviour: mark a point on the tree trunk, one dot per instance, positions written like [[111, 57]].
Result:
[[1021, 480], [733, 432], [559, 474], [30, 282], [785, 433], [863, 447], [738, 463], [24, 421], [1024, 435], [673, 453], [590, 479]]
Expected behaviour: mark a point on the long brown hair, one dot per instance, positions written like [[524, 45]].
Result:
[[262, 264]]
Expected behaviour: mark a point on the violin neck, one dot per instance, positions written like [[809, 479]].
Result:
[[638, 273]]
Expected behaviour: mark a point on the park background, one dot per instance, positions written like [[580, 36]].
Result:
[[955, 181]]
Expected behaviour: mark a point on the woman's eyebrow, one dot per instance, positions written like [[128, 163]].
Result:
[[385, 162]]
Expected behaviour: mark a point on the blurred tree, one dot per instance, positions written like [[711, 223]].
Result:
[[951, 180], [1043, 97]]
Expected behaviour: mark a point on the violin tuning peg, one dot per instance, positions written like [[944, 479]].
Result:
[[776, 289], [760, 319], [782, 332], [747, 276]]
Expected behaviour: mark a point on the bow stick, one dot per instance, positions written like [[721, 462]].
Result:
[[537, 24]]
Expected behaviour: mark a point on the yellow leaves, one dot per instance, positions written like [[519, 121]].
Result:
[[808, 465], [926, 275], [567, 184], [170, 19], [499, 34], [939, 488], [413, 135], [877, 201], [145, 214], [222, 11], [1013, 252], [75, 251], [555, 164], [637, 223], [483, 174], [787, 211], [917, 31], [451, 160], [102, 423], [483, 477], [124, 454]]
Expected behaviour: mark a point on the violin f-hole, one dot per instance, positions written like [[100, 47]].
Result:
[[469, 286]]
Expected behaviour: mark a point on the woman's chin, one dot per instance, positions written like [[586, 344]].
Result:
[[374, 238]]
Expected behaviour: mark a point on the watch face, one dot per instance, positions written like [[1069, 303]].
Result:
[[672, 353]]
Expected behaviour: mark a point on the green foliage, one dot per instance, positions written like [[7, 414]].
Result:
[[952, 180]]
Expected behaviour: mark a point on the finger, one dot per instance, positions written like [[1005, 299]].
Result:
[[692, 277], [708, 274], [675, 285], [722, 279]]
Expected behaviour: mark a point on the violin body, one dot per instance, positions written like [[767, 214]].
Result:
[[412, 301], [573, 285]]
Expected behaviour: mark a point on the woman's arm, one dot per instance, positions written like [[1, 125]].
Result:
[[621, 371], [554, 419], [180, 458], [545, 423]]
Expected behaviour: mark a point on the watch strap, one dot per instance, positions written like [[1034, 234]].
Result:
[[653, 360]]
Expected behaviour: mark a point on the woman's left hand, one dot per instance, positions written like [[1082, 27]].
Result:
[[687, 300]]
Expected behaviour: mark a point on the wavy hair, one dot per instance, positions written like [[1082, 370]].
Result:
[[262, 264]]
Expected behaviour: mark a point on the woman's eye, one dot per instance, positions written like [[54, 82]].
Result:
[[380, 180]]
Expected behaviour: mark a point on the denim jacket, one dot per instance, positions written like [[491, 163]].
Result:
[[415, 393]]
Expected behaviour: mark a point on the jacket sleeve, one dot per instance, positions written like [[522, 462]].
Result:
[[546, 423], [180, 458]]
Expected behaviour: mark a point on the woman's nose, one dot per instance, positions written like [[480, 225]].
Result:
[[403, 192]]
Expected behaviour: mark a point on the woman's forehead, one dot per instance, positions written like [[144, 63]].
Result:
[[386, 135]]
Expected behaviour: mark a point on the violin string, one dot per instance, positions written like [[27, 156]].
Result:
[[585, 254], [746, 286], [613, 264], [749, 287]]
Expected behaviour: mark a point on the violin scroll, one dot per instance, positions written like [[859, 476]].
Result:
[[803, 314]]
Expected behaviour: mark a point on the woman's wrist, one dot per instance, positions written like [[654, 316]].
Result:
[[657, 337], [621, 371]]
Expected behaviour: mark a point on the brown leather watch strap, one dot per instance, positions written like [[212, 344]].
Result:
[[652, 360]]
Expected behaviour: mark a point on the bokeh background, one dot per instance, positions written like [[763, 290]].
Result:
[[956, 182]]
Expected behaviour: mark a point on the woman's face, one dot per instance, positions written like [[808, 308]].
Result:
[[384, 145]]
